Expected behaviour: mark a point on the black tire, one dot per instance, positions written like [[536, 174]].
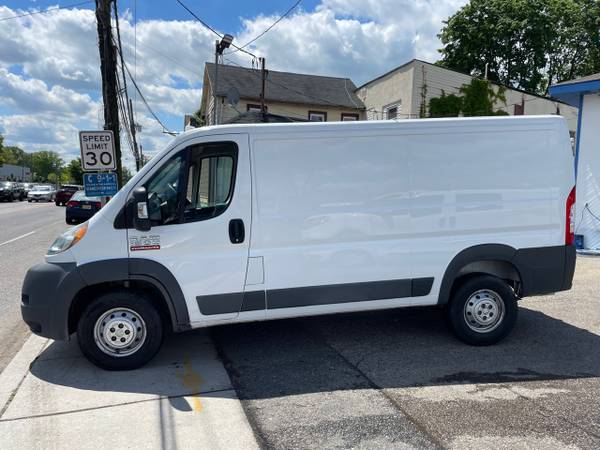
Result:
[[29, 201], [130, 300], [57, 203], [480, 290]]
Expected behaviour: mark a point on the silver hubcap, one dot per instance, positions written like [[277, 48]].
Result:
[[120, 332], [484, 311]]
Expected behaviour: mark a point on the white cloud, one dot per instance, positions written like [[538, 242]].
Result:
[[34, 96], [50, 77]]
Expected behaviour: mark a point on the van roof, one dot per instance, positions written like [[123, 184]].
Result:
[[363, 125]]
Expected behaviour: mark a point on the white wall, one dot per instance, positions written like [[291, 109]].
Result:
[[588, 173], [393, 88]]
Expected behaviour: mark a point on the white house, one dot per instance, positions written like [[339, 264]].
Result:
[[404, 91], [585, 94]]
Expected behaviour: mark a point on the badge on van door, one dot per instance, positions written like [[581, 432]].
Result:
[[151, 242]]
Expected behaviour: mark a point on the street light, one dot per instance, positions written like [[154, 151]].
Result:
[[225, 42]]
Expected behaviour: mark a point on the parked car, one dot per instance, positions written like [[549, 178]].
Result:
[[10, 191], [258, 222], [26, 188], [41, 192], [81, 208], [65, 192]]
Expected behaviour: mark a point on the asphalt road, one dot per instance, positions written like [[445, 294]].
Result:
[[398, 379], [26, 232]]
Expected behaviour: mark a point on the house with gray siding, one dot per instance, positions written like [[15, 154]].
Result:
[[405, 92], [294, 96]]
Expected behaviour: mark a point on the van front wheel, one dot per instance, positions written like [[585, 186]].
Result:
[[483, 310], [120, 330]]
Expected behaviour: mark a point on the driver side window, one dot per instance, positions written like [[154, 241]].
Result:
[[196, 184], [163, 190]]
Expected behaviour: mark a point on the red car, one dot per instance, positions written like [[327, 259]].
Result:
[[64, 194]]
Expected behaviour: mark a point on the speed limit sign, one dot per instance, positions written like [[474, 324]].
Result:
[[97, 150]]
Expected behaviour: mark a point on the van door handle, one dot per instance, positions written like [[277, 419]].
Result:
[[236, 231]]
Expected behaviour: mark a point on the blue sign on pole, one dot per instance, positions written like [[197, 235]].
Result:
[[100, 184]]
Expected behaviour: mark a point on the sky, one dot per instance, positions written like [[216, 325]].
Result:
[[49, 65]]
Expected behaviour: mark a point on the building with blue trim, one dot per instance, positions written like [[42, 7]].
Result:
[[584, 93]]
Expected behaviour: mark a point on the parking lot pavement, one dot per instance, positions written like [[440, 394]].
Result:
[[26, 232], [183, 399], [398, 379]]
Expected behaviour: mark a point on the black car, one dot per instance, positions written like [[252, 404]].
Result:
[[11, 191], [80, 208]]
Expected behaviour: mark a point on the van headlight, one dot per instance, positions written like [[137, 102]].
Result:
[[68, 239]]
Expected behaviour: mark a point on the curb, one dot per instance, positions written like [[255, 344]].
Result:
[[17, 370]]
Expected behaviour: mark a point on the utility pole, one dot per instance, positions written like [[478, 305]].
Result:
[[215, 112], [133, 130], [108, 67], [221, 45], [263, 76]]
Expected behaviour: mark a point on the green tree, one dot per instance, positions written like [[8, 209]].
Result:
[[478, 98], [448, 105], [127, 175], [528, 44], [75, 171], [46, 163]]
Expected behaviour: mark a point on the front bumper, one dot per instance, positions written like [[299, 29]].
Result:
[[47, 293]]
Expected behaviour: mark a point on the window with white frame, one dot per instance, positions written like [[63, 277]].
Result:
[[392, 111], [317, 116], [349, 117]]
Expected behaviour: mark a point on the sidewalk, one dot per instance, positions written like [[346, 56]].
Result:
[[52, 397]]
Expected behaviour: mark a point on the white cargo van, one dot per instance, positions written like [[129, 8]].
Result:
[[257, 222]]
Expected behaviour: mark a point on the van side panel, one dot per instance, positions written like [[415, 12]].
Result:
[[400, 204], [491, 185], [331, 210]]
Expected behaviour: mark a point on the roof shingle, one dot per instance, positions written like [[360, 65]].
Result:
[[287, 87]]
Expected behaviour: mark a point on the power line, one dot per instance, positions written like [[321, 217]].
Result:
[[170, 58], [73, 5], [135, 85], [207, 26], [294, 6], [127, 106]]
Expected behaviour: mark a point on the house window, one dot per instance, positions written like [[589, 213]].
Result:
[[391, 112], [349, 117], [317, 116], [254, 107]]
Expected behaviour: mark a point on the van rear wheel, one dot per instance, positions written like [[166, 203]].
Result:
[[483, 310], [120, 330]]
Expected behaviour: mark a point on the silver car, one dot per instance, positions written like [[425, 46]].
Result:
[[41, 192]]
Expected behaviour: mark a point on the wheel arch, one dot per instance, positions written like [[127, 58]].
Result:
[[149, 277], [489, 259]]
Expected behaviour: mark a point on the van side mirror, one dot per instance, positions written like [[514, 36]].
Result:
[[141, 221]]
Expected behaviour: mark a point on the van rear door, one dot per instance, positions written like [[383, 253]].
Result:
[[199, 205]]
